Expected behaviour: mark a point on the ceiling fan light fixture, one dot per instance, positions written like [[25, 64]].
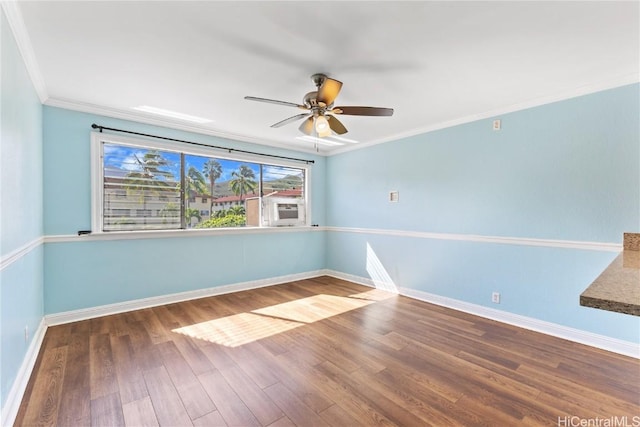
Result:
[[322, 126], [320, 119]]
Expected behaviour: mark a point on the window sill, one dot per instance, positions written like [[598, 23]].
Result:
[[166, 234]]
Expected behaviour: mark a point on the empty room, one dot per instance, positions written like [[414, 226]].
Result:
[[296, 213]]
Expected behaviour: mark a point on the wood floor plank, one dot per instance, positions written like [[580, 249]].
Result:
[[399, 390], [299, 413], [296, 383], [254, 367], [282, 422], [166, 401], [193, 354], [57, 336], [194, 397], [357, 356], [256, 400], [75, 401], [47, 388], [130, 380], [212, 419], [102, 370], [334, 415], [233, 410], [140, 413], [154, 326], [106, 411], [343, 396], [360, 389]]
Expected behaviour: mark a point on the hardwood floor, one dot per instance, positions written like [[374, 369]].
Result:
[[320, 352]]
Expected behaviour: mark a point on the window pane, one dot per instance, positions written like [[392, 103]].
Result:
[[141, 189], [218, 191], [281, 181], [281, 184]]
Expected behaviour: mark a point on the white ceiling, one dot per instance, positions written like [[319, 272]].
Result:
[[435, 63]]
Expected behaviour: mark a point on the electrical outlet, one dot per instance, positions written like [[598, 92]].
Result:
[[497, 125], [26, 333], [495, 297]]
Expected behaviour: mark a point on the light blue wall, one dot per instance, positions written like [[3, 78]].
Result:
[[90, 274], [563, 171], [21, 212], [84, 274]]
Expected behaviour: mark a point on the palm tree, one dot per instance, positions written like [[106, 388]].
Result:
[[149, 175], [194, 183], [150, 179], [236, 210], [212, 170], [243, 181], [191, 213]]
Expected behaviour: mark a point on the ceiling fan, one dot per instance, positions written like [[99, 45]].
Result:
[[321, 114]]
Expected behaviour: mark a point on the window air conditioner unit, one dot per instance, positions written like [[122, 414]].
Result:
[[283, 211]]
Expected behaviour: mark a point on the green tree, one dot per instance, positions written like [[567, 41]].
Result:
[[190, 213], [243, 181], [149, 176], [236, 210], [212, 170], [171, 211], [219, 214], [225, 221], [194, 183]]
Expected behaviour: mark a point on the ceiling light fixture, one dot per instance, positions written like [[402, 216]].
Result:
[[322, 126], [172, 114]]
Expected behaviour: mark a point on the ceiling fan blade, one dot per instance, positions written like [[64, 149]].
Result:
[[290, 120], [329, 91], [275, 101], [336, 125], [307, 126], [363, 111]]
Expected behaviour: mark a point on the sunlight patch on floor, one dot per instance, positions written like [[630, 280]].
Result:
[[243, 328], [238, 329]]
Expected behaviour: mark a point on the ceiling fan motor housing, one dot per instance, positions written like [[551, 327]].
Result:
[[311, 99]]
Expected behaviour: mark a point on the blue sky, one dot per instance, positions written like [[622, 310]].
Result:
[[124, 158]]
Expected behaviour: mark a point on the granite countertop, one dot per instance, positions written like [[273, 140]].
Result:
[[618, 287]]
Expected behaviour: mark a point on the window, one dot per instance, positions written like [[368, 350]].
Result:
[[142, 185]]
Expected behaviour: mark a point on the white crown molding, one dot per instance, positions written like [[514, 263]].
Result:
[[576, 335], [168, 123], [13, 256], [520, 241], [14, 17], [125, 306], [620, 81], [14, 397]]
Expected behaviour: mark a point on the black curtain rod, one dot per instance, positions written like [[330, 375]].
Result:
[[229, 150]]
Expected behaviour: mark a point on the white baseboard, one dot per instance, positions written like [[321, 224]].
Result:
[[121, 307], [625, 348], [14, 398]]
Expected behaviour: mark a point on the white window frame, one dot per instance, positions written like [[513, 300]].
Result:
[[97, 178]]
